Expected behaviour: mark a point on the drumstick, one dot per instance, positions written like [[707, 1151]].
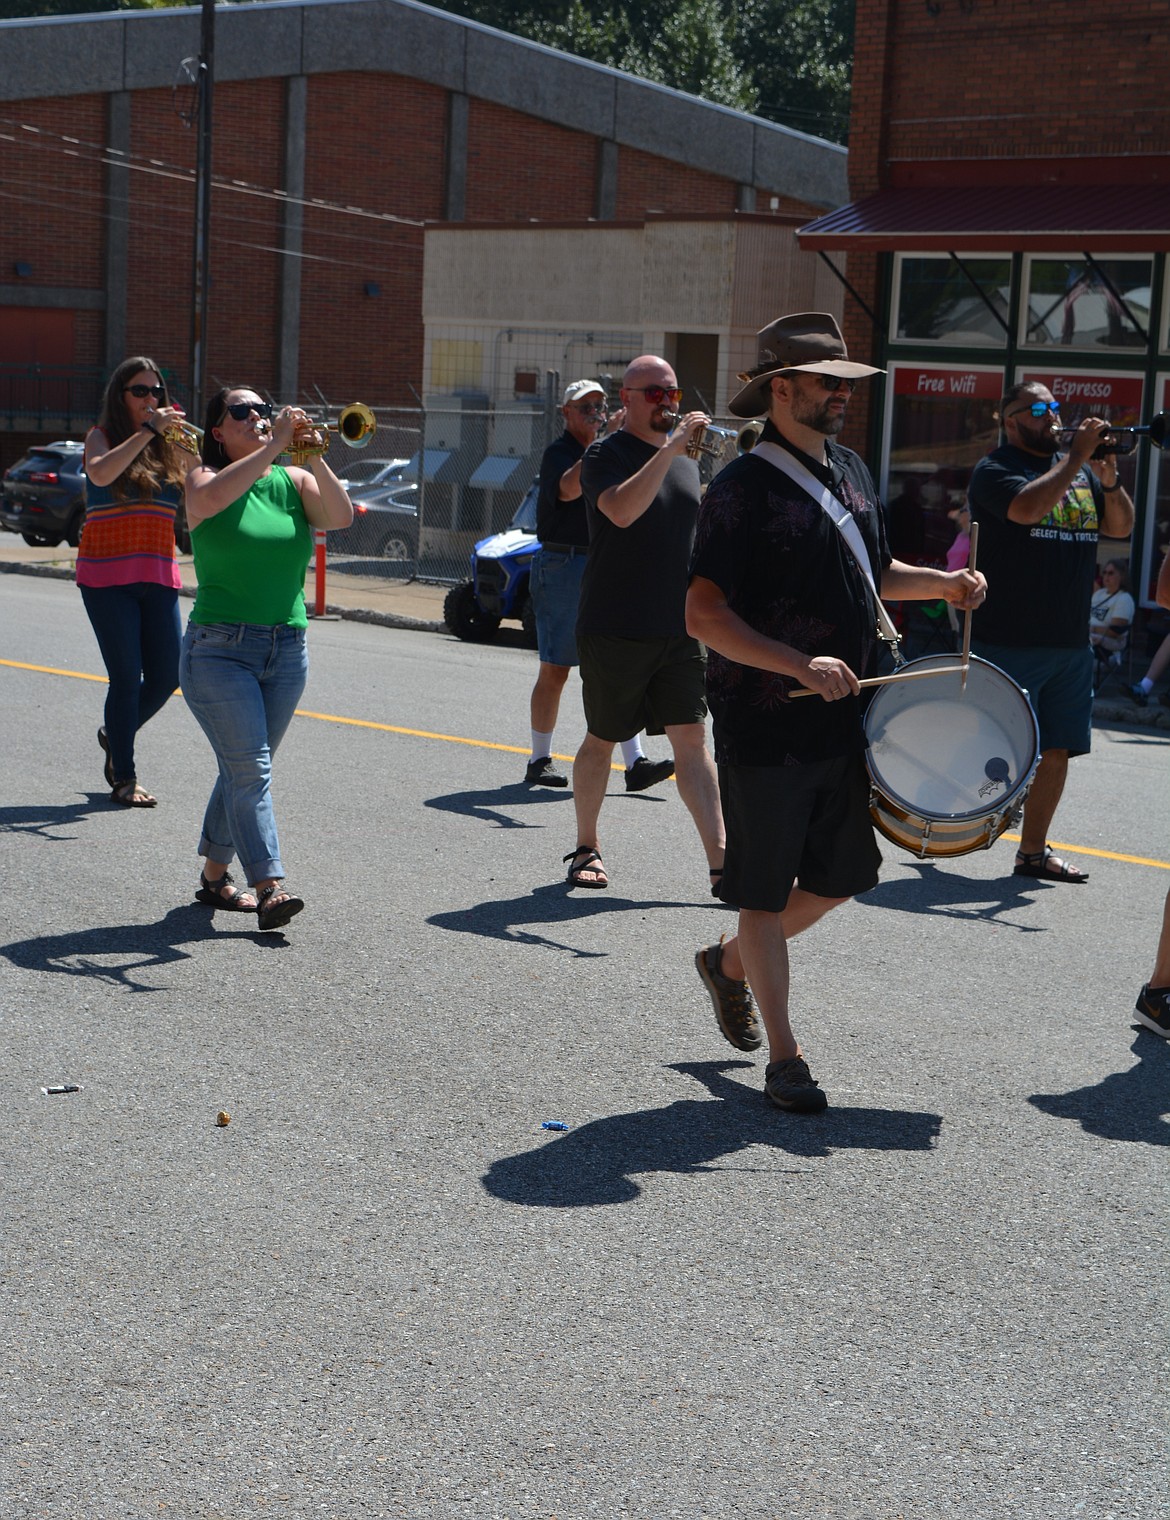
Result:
[[909, 675], [970, 611]]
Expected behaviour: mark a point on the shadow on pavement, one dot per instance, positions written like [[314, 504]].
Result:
[[39, 820], [593, 1165], [485, 804], [1126, 1105], [953, 896], [497, 918], [118, 953]]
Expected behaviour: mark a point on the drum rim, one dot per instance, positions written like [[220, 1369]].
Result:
[[1002, 802]]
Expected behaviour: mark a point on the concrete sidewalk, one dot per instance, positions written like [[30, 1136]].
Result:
[[376, 598], [373, 598]]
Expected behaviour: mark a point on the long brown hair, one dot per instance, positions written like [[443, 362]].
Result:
[[159, 463]]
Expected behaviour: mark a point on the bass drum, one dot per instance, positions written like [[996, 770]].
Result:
[[950, 767]]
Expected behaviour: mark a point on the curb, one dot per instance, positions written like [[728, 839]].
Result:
[[348, 614]]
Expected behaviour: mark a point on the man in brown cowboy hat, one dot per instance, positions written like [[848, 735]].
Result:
[[788, 552]]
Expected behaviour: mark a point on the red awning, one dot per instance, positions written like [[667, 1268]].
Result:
[[1113, 218]]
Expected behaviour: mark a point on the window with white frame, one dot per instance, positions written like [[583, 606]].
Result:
[[964, 299], [1070, 303]]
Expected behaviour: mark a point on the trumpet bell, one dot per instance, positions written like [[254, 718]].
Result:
[[356, 425]]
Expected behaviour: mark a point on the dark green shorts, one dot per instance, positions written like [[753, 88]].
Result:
[[633, 684]]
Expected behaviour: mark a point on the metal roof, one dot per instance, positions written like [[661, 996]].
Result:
[[1103, 218]]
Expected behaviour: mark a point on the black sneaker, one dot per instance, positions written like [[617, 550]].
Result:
[[735, 1012], [789, 1085], [1153, 1009], [1139, 696], [644, 773], [544, 773]]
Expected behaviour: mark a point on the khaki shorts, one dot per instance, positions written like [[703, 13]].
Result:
[[631, 685]]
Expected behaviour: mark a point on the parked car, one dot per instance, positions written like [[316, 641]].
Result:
[[42, 496], [385, 525], [362, 475], [498, 587]]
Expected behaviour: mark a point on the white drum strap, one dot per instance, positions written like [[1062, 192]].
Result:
[[841, 518]]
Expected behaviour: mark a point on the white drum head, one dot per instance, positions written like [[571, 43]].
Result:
[[943, 752]]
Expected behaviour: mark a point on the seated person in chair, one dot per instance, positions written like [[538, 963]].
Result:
[[1111, 611]]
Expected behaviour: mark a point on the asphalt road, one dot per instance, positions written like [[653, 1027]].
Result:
[[384, 1290]]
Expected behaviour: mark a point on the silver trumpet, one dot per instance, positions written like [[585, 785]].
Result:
[[711, 440]]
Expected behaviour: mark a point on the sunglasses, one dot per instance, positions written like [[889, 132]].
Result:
[[657, 394], [591, 408], [835, 382], [1037, 409], [142, 391], [240, 411]]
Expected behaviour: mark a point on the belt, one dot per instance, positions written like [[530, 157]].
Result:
[[569, 549]]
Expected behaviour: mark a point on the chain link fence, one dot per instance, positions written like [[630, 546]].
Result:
[[433, 481]]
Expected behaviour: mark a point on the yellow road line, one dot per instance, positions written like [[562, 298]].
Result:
[[513, 749]]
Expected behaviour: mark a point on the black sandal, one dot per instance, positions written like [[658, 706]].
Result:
[[130, 794], [108, 770], [212, 893], [278, 914], [591, 862], [1046, 865]]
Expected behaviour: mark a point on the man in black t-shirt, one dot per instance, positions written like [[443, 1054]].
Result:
[[1039, 514], [782, 600], [639, 668], [554, 583]]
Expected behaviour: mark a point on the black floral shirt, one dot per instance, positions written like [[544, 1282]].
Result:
[[787, 572]]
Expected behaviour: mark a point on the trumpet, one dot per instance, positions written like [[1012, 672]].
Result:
[[1124, 440], [710, 440], [356, 425], [184, 435]]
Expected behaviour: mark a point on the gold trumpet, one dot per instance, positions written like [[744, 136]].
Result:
[[184, 435], [355, 425]]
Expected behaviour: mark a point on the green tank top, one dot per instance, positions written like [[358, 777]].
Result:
[[251, 558]]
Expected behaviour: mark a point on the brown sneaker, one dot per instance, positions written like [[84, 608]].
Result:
[[791, 1086], [735, 1012]]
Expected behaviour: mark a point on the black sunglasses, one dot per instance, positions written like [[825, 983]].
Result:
[[142, 391], [835, 382], [240, 411]]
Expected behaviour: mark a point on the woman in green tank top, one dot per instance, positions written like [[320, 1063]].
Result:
[[244, 663]]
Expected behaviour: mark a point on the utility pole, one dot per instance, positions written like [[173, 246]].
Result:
[[201, 279]]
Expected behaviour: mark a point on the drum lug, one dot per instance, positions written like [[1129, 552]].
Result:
[[927, 825]]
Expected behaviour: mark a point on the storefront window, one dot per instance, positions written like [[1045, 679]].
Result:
[[1072, 304], [940, 422], [938, 303]]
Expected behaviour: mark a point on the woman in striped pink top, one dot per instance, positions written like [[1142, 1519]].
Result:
[[126, 566]]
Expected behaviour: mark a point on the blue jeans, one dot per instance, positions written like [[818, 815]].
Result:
[[242, 682], [554, 583], [138, 632]]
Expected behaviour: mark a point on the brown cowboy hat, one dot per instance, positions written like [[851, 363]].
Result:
[[809, 341]]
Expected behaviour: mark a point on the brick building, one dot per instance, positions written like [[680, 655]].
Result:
[[343, 129], [1010, 218]]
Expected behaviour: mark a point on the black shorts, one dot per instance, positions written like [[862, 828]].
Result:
[[628, 685], [803, 825]]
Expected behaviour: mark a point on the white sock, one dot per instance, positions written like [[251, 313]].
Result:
[[1146, 685], [632, 750], [541, 745]]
